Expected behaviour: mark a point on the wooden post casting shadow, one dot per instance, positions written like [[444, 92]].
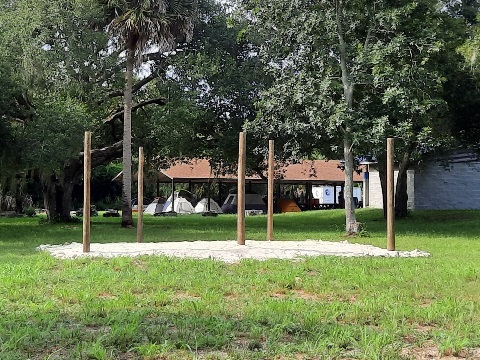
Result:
[[241, 190], [87, 175], [141, 161], [271, 148], [390, 197]]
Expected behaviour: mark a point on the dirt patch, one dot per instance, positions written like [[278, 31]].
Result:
[[424, 328], [429, 351], [210, 355], [230, 296], [181, 295], [280, 294], [140, 264], [306, 295], [54, 353], [106, 295]]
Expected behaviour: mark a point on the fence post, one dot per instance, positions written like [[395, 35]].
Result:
[[271, 148], [241, 190], [390, 197], [141, 161], [87, 175]]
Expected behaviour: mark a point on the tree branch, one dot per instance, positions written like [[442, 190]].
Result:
[[157, 56], [119, 112], [74, 166], [347, 83], [100, 156], [154, 56], [107, 154], [135, 88]]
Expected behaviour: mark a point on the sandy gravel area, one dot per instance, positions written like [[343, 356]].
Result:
[[227, 251]]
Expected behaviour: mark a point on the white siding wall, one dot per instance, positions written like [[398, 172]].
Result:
[[455, 186], [411, 189], [376, 198], [436, 187]]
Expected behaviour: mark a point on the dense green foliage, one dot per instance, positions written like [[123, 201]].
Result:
[[8, 107], [330, 79], [391, 57], [349, 74], [324, 307]]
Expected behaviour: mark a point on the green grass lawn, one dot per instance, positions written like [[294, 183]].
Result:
[[318, 308]]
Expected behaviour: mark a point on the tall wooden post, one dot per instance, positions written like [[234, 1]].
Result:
[[220, 195], [271, 148], [390, 197], [366, 186], [173, 195], [141, 161], [87, 175], [241, 190]]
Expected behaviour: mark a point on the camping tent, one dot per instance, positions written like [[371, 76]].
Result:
[[191, 198], [252, 202], [288, 205], [155, 207], [181, 205], [202, 206]]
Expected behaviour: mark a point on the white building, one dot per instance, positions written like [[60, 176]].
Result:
[[453, 183]]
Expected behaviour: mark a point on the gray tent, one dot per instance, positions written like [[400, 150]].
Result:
[[155, 207], [252, 202]]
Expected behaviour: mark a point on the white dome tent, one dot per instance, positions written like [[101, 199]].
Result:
[[202, 207], [180, 205]]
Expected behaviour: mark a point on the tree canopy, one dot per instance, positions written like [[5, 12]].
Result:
[[349, 74], [331, 79]]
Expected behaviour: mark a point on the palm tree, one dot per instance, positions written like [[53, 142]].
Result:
[[141, 25]]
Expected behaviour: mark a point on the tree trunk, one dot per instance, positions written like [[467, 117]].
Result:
[[351, 225], [64, 199], [57, 190], [72, 170], [401, 195], [382, 173], [49, 197], [127, 219], [57, 198]]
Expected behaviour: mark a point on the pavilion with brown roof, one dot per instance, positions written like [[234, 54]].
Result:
[[307, 173], [316, 172]]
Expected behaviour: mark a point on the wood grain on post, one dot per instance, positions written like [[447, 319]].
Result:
[[241, 190], [271, 147], [390, 197], [141, 161], [87, 175]]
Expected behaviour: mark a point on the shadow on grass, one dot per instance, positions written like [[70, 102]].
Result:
[[39, 334]]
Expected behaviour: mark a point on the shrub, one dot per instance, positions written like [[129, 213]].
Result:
[[29, 211]]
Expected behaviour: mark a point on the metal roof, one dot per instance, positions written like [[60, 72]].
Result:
[[314, 171]]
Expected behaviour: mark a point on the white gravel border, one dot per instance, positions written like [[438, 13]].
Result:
[[227, 251]]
